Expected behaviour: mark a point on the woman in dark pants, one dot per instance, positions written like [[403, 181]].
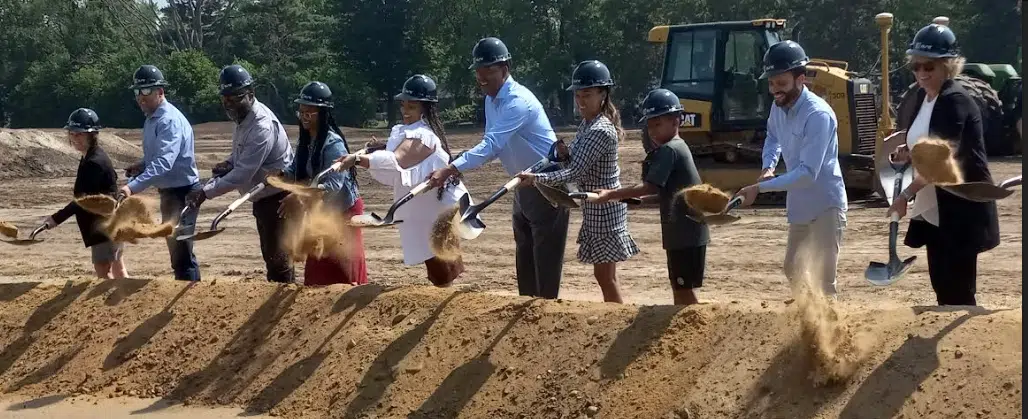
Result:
[[953, 230], [95, 176]]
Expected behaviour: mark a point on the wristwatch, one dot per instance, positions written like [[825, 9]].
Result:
[[357, 159], [906, 195]]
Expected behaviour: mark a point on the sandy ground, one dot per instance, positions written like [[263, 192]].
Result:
[[741, 356], [88, 407]]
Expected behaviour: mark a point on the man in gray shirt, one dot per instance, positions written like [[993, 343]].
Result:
[[260, 146]]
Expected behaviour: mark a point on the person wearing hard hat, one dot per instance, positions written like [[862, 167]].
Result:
[[667, 169], [260, 146], [802, 130], [95, 176], [604, 239], [518, 132], [321, 143], [169, 164], [953, 230], [414, 149]]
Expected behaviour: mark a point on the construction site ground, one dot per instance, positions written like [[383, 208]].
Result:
[[234, 345]]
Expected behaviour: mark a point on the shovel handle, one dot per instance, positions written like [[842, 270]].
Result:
[[235, 204], [893, 235], [422, 187], [317, 179], [38, 230], [732, 204], [1009, 183]]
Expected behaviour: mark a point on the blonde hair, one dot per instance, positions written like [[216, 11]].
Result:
[[953, 65]]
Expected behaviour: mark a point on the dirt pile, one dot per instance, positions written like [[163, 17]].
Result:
[[8, 229], [422, 352], [317, 230], [134, 220], [444, 242], [38, 153], [705, 198], [933, 160]]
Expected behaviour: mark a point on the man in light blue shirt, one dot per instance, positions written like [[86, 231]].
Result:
[[519, 133], [169, 164], [802, 128]]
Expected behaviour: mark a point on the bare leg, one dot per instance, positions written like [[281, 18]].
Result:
[[684, 297], [118, 270], [103, 270], [606, 277]]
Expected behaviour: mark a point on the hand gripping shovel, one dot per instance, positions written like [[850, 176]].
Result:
[[883, 274], [29, 241], [214, 224], [984, 191], [374, 220], [471, 225]]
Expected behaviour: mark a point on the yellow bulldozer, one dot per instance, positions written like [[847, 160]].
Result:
[[715, 68]]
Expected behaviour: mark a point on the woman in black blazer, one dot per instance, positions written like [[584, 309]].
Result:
[[95, 175], [953, 230]]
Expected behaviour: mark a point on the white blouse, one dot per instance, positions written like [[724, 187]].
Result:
[[421, 212], [925, 202]]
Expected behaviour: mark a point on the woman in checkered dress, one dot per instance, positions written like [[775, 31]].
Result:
[[603, 239]]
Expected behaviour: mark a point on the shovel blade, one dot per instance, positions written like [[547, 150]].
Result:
[[23, 242], [557, 197], [721, 219], [877, 273], [978, 191], [203, 235], [470, 229], [882, 274]]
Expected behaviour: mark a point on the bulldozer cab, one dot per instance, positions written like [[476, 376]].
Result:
[[715, 68]]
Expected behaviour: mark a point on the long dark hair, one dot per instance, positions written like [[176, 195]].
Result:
[[609, 110], [431, 115], [304, 147]]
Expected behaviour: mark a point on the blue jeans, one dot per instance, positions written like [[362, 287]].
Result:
[[183, 261]]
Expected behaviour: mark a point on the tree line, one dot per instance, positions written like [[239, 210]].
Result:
[[58, 55]]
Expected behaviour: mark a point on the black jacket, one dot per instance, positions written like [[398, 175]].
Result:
[[969, 225], [95, 175]]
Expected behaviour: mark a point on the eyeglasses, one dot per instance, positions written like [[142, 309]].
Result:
[[927, 67], [306, 116], [144, 91]]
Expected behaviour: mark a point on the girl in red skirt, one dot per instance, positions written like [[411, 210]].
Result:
[[321, 143]]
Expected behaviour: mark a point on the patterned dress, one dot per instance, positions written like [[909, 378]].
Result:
[[604, 235]]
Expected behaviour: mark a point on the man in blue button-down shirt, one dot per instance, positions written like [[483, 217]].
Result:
[[169, 164], [519, 133], [802, 128]]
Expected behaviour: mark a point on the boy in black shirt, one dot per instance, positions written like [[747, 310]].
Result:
[[668, 169]]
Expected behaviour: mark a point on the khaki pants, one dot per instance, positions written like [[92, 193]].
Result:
[[812, 251]]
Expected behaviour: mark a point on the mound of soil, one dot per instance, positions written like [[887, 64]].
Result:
[[38, 153], [422, 352]]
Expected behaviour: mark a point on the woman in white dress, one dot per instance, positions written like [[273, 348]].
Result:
[[416, 148]]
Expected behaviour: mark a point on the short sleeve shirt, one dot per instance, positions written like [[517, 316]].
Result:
[[670, 168]]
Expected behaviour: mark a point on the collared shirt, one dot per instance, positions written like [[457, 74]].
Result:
[[259, 146], [805, 135], [168, 157], [516, 130]]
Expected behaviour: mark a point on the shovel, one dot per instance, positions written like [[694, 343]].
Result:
[[882, 274], [214, 231], [591, 196], [374, 220], [471, 225], [722, 217], [984, 191], [29, 241]]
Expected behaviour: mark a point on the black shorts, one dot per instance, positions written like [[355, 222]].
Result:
[[685, 267]]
